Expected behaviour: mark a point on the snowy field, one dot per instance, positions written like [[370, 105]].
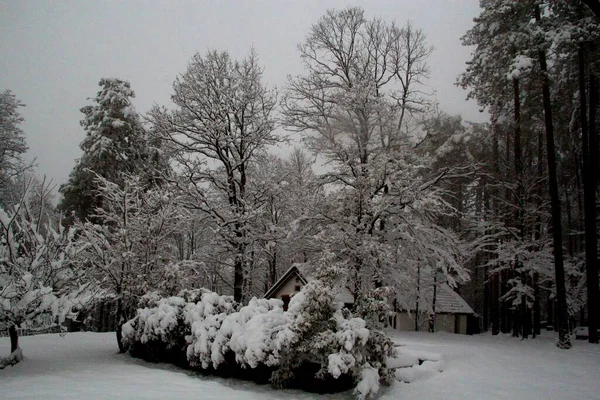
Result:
[[87, 366]]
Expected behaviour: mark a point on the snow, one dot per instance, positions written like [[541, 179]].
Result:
[[87, 365], [501, 367]]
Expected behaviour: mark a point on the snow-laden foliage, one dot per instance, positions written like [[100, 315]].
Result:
[[38, 273], [314, 341], [12, 143], [320, 332], [250, 333], [205, 319], [222, 122], [129, 253], [115, 144]]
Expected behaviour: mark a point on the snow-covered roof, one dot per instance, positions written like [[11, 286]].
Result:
[[447, 301], [450, 302]]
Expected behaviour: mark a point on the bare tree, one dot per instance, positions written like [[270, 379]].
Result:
[[362, 83], [223, 120]]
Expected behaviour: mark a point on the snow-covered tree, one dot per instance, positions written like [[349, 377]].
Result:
[[358, 105], [115, 143], [40, 281], [12, 144], [222, 122], [130, 251]]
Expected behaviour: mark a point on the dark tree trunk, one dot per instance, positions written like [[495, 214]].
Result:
[[536, 305], [564, 341], [504, 324], [494, 279], [119, 321], [14, 338], [238, 273], [432, 316], [589, 193], [486, 300], [418, 295]]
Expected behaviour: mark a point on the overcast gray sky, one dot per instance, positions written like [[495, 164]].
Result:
[[53, 53]]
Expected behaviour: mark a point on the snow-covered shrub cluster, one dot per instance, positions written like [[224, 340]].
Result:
[[315, 345], [158, 332], [321, 334]]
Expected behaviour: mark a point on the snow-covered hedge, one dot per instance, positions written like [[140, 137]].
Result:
[[159, 333], [315, 345]]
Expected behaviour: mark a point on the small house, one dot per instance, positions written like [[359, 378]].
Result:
[[292, 282], [451, 313]]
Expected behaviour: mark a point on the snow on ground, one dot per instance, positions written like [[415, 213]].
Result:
[[501, 367], [87, 366]]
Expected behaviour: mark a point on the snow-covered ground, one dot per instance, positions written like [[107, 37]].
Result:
[[87, 366], [502, 367]]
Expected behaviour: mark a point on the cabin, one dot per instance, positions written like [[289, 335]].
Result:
[[293, 281], [452, 311]]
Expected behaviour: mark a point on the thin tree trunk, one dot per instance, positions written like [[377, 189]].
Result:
[[564, 341], [536, 305], [418, 295], [589, 194], [494, 283], [120, 320], [486, 299], [432, 316]]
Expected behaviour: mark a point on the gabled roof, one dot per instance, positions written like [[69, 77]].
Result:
[[447, 301], [293, 271]]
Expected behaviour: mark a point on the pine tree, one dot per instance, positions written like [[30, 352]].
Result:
[[12, 145], [114, 144]]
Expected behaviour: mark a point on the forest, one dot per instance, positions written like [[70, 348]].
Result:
[[351, 172]]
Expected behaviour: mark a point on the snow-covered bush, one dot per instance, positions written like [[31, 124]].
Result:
[[158, 333], [315, 345], [321, 337], [250, 334], [205, 318], [325, 346]]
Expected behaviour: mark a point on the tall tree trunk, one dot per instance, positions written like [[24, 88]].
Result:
[[564, 341], [418, 296], [238, 271], [589, 193], [504, 324], [494, 279]]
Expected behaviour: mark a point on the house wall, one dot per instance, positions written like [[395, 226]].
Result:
[[288, 287], [443, 322]]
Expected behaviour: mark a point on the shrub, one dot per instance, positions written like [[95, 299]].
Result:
[[158, 333], [315, 345]]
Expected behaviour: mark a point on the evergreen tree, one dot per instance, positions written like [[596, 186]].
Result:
[[12, 144], [114, 144]]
